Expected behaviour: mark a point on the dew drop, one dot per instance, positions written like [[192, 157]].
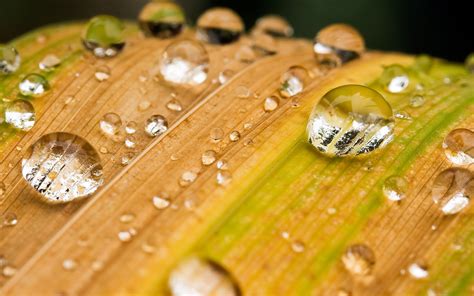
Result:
[[69, 264], [208, 157], [225, 75], [148, 248], [403, 115], [273, 25], [185, 62], [160, 203], [102, 73], [216, 134], [196, 276], [10, 219], [234, 136], [174, 105], [219, 25], [417, 101], [49, 63], [350, 120], [124, 236], [131, 127], [9, 271], [222, 165], [292, 82], [144, 105], [127, 158], [359, 260], [242, 92], [156, 125], [395, 79], [187, 178], [337, 44], [264, 44], [162, 19], [270, 104], [110, 124], [97, 265], [223, 178], [127, 218], [21, 115], [33, 85], [395, 188], [459, 146], [104, 36], [298, 246], [130, 142], [9, 59], [452, 190], [62, 167], [418, 271]]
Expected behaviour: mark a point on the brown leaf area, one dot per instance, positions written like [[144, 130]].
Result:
[[87, 231]]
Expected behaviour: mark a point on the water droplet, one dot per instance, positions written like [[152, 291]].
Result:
[[225, 75], [242, 92], [219, 26], [49, 63], [21, 115], [103, 150], [174, 105], [223, 178], [338, 44], [403, 115], [395, 79], [298, 246], [102, 73], [104, 36], [187, 178], [273, 25], [62, 167], [148, 248], [9, 271], [110, 124], [417, 101], [195, 276], [144, 105], [264, 44], [459, 146], [350, 120], [162, 19], [359, 260], [245, 54], [208, 157], [33, 85], [130, 142], [216, 134], [124, 236], [127, 158], [234, 136], [395, 188], [452, 190], [9, 59], [418, 271], [131, 127], [156, 125], [292, 82], [160, 202], [469, 63], [69, 264], [127, 218], [97, 265], [270, 104], [10, 219], [185, 62]]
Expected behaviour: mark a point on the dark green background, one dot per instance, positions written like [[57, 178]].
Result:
[[440, 28]]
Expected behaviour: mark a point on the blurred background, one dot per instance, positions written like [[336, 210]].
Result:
[[439, 28]]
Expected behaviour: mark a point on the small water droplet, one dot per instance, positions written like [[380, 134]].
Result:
[[469, 63], [174, 105], [459, 146], [49, 63], [298, 246], [417, 101], [127, 158], [418, 271], [208, 157], [234, 136], [127, 218], [21, 115], [270, 104], [69, 264], [9, 271], [148, 248], [160, 202], [187, 278], [110, 124], [331, 211], [242, 92], [222, 165], [104, 36], [350, 120], [187, 178], [9, 59], [97, 265], [216, 134], [395, 188], [131, 127], [156, 125], [130, 142], [124, 236], [273, 25], [144, 105], [452, 190], [33, 85], [223, 178], [10, 219], [219, 26], [292, 82], [225, 75], [162, 19], [359, 260], [403, 115], [103, 150], [102, 73], [395, 79], [185, 62], [337, 44], [62, 167]]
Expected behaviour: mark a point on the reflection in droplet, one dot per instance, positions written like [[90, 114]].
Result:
[[452, 190], [234, 136], [219, 25], [459, 146], [395, 79], [359, 260], [156, 125], [104, 36], [33, 85], [292, 82], [21, 115], [162, 19]]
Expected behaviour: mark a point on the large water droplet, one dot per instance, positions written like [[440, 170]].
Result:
[[162, 19], [195, 276], [337, 44], [185, 62], [359, 260], [9, 59], [452, 190], [33, 85], [62, 167], [156, 125], [273, 25], [21, 115], [110, 124], [219, 26], [104, 36], [350, 120], [459, 146], [395, 79], [292, 82], [395, 187]]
